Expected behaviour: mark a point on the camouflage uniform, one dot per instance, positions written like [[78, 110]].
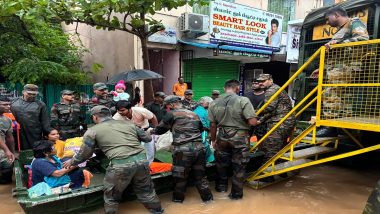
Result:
[[106, 100], [189, 105], [66, 118], [97, 100], [271, 115], [120, 141], [373, 202], [189, 153], [6, 169], [336, 100], [231, 112]]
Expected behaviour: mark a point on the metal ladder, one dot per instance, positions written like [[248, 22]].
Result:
[[288, 161]]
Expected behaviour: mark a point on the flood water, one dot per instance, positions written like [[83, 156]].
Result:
[[324, 189]]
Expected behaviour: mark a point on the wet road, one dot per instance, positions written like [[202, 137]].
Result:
[[324, 189]]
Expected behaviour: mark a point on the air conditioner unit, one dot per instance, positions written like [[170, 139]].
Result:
[[194, 24]]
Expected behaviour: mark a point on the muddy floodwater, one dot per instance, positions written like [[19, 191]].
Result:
[[317, 190]]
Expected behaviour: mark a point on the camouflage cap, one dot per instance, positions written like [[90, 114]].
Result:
[[67, 92], [172, 99], [31, 89], [99, 86], [216, 92], [188, 92], [263, 77], [100, 109], [160, 94]]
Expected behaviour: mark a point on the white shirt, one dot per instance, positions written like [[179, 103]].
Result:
[[140, 117]]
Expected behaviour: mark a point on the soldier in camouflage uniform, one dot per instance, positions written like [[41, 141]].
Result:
[[120, 141], [373, 202], [272, 114], [336, 102], [101, 97], [7, 146], [188, 102], [189, 152], [232, 115], [66, 116]]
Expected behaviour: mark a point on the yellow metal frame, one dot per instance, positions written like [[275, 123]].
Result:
[[290, 81], [333, 142], [316, 162], [284, 118], [320, 81], [348, 125], [280, 154]]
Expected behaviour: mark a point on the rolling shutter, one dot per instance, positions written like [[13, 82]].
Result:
[[206, 75]]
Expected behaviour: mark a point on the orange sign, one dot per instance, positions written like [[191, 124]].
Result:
[[326, 31]]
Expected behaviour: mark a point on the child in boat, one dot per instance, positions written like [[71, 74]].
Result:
[[47, 167]]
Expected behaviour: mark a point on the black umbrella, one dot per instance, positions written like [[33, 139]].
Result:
[[134, 75]]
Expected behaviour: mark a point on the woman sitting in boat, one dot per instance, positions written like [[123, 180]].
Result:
[[59, 145], [47, 167]]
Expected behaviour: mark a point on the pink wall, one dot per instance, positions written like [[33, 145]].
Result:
[[171, 70]]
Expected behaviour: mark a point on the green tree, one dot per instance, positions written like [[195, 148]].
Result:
[[136, 15], [38, 52]]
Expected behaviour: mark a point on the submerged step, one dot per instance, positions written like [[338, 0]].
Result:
[[258, 184], [315, 150], [287, 164]]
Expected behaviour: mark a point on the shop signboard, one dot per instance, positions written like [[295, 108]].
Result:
[[292, 46], [243, 26], [168, 36]]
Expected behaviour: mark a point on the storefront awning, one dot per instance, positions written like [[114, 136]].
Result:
[[226, 47]]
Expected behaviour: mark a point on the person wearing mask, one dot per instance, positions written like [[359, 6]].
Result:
[[32, 116], [180, 87], [120, 142], [7, 145], [188, 149], [231, 117], [66, 116]]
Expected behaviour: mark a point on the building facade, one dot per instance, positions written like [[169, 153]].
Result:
[[203, 62]]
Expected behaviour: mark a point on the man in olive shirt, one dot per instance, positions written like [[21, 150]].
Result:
[[120, 141], [232, 115]]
